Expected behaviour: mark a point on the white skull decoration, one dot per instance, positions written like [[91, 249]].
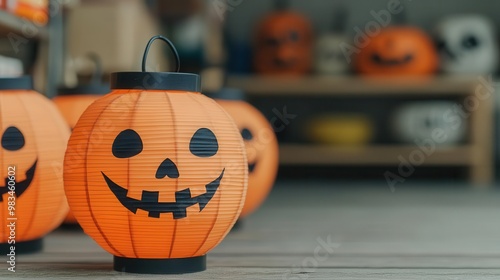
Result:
[[420, 121], [329, 58], [467, 45]]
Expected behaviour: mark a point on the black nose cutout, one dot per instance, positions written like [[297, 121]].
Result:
[[167, 168], [470, 42], [12, 139]]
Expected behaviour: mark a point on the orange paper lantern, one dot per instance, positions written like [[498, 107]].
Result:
[[398, 50], [283, 44], [34, 137], [155, 172], [260, 142], [72, 102]]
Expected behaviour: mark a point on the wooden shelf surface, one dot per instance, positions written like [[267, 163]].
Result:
[[302, 154], [12, 23], [354, 86]]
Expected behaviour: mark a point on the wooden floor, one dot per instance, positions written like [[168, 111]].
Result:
[[421, 231]]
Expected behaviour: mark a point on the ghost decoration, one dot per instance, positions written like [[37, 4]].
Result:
[[437, 121], [467, 45]]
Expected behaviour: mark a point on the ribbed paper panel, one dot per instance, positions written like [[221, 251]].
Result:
[[42, 206], [262, 151], [72, 107], [152, 146]]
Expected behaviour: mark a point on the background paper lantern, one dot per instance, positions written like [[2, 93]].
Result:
[[398, 51], [73, 101], [156, 172], [417, 121], [283, 43], [261, 146], [467, 44], [33, 140]]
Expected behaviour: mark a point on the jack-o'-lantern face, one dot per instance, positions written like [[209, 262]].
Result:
[[33, 137], [166, 167], [262, 151], [128, 144], [13, 141], [398, 51], [283, 44]]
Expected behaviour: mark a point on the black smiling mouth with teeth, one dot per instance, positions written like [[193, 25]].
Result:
[[13, 141], [128, 143], [22, 186], [149, 201]]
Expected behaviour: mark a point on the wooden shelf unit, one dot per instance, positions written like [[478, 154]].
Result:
[[353, 86], [48, 72], [477, 154], [293, 154]]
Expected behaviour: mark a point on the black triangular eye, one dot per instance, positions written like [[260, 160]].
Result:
[[12, 139], [246, 134], [204, 143], [440, 45], [127, 144]]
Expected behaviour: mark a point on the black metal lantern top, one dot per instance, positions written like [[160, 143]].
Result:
[[232, 94], [157, 80], [23, 82]]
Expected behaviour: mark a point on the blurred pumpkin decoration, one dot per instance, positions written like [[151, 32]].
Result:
[[34, 137], [467, 44], [155, 172], [283, 43], [398, 51], [329, 59], [260, 142], [73, 101], [418, 121]]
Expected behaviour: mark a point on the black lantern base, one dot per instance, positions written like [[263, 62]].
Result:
[[160, 266], [71, 227], [22, 247]]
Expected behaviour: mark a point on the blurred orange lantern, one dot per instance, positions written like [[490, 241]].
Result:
[[155, 172], [398, 50], [73, 101], [260, 142], [283, 44], [34, 10], [34, 137]]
